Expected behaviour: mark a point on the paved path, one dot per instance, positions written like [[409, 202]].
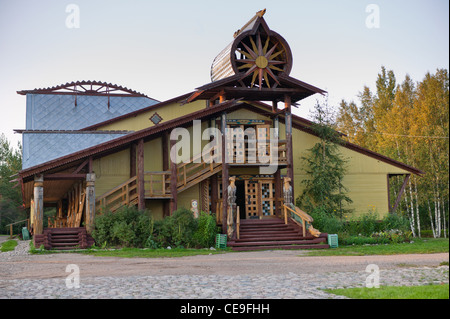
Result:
[[267, 274]]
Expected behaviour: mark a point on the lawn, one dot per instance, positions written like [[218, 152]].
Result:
[[8, 245], [418, 246], [391, 292], [152, 253]]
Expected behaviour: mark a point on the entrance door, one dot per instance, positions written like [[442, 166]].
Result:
[[252, 194]]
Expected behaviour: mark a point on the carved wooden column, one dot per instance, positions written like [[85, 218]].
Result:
[[38, 204], [289, 153], [90, 202]]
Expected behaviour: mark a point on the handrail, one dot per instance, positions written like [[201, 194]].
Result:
[[157, 184], [303, 216], [20, 221], [123, 194]]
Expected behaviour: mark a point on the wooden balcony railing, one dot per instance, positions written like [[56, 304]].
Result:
[[122, 195]]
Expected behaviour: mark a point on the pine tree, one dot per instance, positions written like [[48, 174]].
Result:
[[325, 168]]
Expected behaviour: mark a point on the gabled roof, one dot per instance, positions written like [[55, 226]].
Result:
[[125, 141], [154, 131], [231, 88], [180, 99], [86, 88]]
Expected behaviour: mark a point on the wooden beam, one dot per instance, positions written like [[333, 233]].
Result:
[[81, 166], [140, 174], [90, 202], [289, 152], [38, 209], [173, 177], [133, 160], [64, 176], [165, 143], [400, 193], [225, 175]]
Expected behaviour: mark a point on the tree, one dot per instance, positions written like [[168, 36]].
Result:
[[408, 122], [10, 196], [325, 168]]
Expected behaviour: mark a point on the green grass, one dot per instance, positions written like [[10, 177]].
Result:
[[391, 292], [419, 246], [152, 253], [8, 245]]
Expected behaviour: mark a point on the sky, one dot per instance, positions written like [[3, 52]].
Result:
[[165, 48]]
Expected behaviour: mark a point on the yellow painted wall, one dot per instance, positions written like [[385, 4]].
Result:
[[110, 171], [167, 112], [366, 177]]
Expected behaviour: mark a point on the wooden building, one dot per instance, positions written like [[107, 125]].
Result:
[[128, 149]]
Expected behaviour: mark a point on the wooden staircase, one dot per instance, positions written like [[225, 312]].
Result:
[[64, 238], [265, 234]]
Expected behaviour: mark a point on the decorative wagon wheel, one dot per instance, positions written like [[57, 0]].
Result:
[[261, 58]]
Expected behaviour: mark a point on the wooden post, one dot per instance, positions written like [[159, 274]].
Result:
[[277, 182], [140, 168], [39, 204], [224, 174], [173, 177], [214, 193], [165, 167], [90, 202], [133, 160], [289, 153]]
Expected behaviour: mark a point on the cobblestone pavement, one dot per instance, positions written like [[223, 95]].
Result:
[[276, 284]]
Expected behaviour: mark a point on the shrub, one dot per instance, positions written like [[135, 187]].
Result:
[[127, 227], [206, 232], [326, 222], [176, 230]]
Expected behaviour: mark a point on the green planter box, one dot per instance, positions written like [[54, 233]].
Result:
[[221, 241], [333, 240], [25, 234]]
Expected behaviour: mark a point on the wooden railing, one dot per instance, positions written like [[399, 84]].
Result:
[[57, 222], [157, 184], [19, 222], [245, 158], [122, 195], [305, 218], [189, 174]]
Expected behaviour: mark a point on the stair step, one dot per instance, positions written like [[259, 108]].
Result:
[[265, 226], [274, 238], [65, 244], [261, 221], [278, 242], [250, 248]]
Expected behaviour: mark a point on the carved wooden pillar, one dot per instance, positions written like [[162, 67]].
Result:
[[90, 202], [38, 204], [289, 152]]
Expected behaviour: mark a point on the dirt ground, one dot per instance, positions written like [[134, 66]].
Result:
[[270, 262]]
